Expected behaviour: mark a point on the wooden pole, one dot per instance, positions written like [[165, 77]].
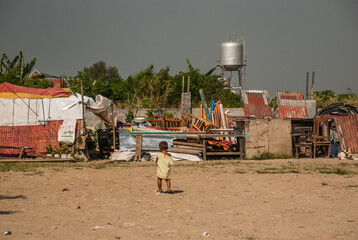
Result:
[[83, 105], [182, 85], [114, 126], [312, 87], [138, 148], [188, 83], [204, 149], [307, 80]]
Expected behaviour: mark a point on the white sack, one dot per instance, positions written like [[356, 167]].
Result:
[[67, 132]]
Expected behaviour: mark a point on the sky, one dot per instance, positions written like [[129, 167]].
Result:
[[284, 38]]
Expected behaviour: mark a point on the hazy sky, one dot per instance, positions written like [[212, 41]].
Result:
[[285, 38]]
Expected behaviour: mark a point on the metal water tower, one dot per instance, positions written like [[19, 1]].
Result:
[[233, 58]]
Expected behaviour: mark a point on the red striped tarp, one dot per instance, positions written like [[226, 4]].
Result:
[[8, 90]]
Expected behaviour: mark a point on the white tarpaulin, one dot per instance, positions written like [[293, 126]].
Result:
[[26, 112]]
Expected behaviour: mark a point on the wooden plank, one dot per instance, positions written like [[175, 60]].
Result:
[[16, 147], [223, 153], [166, 133], [175, 142], [138, 148], [220, 135], [221, 130], [204, 150], [241, 142], [16, 160], [22, 151], [180, 150], [188, 147], [192, 137]]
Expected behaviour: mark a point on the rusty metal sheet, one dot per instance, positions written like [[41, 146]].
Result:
[[291, 105], [289, 95], [292, 112], [347, 129], [255, 97], [257, 110], [256, 103]]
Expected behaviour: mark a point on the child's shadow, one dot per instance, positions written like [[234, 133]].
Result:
[[174, 191]]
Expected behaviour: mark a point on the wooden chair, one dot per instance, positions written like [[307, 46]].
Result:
[[320, 135]]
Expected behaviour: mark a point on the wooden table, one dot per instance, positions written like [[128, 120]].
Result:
[[22, 149], [202, 135]]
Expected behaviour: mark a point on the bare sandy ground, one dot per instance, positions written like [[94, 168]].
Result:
[[271, 199]]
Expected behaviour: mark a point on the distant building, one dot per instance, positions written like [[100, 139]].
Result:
[[54, 79]]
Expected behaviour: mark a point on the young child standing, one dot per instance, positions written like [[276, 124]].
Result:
[[164, 163]]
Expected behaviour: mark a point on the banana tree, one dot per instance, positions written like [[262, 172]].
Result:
[[21, 70]]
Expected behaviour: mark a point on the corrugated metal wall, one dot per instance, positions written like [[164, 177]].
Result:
[[36, 137], [347, 129]]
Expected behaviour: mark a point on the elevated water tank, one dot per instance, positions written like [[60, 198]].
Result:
[[231, 55]]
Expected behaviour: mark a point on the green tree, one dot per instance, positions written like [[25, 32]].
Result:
[[17, 72], [100, 69], [16, 68], [149, 89], [213, 87], [326, 97], [99, 79]]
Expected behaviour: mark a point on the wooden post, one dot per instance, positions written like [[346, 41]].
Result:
[[114, 126], [241, 147], [182, 85], [204, 149], [83, 104], [307, 80], [138, 148], [188, 83], [83, 145], [312, 87]]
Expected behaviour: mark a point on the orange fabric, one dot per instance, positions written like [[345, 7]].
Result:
[[8, 90]]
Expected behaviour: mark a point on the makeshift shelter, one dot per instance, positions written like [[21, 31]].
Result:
[[32, 117]]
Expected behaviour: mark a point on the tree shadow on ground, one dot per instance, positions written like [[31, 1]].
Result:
[[12, 197], [7, 212]]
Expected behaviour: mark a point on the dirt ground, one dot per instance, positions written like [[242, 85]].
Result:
[[246, 199]]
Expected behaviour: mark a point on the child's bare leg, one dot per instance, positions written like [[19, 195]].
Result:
[[159, 185], [168, 184]]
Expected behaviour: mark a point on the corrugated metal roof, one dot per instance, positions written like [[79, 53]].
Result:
[[257, 110], [291, 105], [255, 97], [347, 129], [256, 103], [289, 95]]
